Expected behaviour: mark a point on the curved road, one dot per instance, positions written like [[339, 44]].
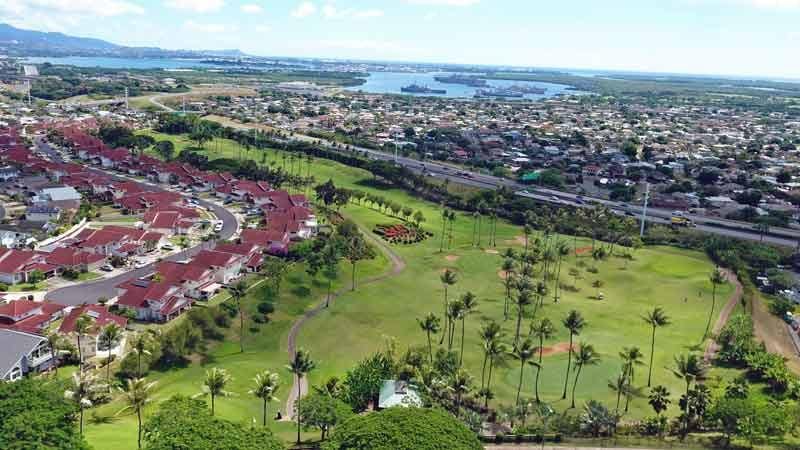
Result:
[[398, 264], [91, 291]]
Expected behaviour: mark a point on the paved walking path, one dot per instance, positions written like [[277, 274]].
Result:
[[735, 299], [398, 264]]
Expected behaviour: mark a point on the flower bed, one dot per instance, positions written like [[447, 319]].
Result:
[[401, 233]]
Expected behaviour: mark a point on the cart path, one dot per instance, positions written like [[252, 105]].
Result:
[[398, 264], [735, 299]]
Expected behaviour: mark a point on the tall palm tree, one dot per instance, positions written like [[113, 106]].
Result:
[[469, 304], [574, 322], [455, 310], [522, 301], [619, 385], [140, 345], [509, 268], [460, 384], [452, 220], [266, 385], [562, 250], [656, 318], [82, 390], [237, 291], [137, 395], [300, 365], [527, 231], [543, 330], [489, 333], [55, 343], [109, 336], [448, 278], [631, 357], [496, 351], [688, 368], [214, 385], [430, 325], [523, 352], [586, 356], [82, 326], [717, 278]]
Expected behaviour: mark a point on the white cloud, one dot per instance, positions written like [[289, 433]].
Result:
[[61, 15], [304, 9], [331, 12], [198, 6], [252, 8], [263, 28], [209, 28], [775, 4], [444, 2]]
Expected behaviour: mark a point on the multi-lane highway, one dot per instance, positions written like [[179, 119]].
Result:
[[715, 225]]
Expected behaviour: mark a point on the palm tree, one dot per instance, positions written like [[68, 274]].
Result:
[[495, 351], [445, 216], [562, 250], [460, 384], [82, 326], [455, 310], [54, 342], [619, 385], [659, 399], [523, 299], [139, 346], [83, 388], [469, 304], [574, 323], [109, 336], [717, 278], [527, 231], [688, 368], [509, 267], [214, 385], [452, 220], [522, 352], [137, 396], [586, 356], [655, 318], [543, 330], [448, 278], [266, 385], [489, 333], [237, 292], [430, 325], [300, 365], [631, 357]]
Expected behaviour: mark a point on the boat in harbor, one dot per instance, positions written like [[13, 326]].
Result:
[[528, 89], [498, 93], [418, 89], [471, 81]]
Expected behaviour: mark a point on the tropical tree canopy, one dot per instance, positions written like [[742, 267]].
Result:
[[35, 414], [403, 429], [184, 422]]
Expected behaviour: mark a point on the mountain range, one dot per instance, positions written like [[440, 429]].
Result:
[[18, 42]]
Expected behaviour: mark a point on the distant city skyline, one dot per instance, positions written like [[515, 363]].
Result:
[[712, 37]]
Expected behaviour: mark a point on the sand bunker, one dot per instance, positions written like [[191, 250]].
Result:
[[562, 347], [452, 258]]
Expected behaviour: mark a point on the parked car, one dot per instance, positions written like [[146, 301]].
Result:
[[167, 247], [107, 268], [139, 264]]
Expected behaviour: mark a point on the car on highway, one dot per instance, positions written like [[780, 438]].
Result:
[[554, 198], [218, 226], [139, 264]]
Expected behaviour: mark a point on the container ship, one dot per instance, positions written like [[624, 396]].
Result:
[[528, 89], [461, 79], [417, 89]]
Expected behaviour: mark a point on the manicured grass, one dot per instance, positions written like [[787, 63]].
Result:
[[359, 322], [86, 276], [28, 287]]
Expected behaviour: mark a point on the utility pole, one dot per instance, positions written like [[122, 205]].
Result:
[[644, 210]]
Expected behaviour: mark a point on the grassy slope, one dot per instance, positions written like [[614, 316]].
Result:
[[358, 321]]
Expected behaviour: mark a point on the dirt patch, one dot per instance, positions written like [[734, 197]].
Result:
[[502, 274], [561, 347], [518, 240], [452, 258], [773, 332], [491, 251], [584, 251]]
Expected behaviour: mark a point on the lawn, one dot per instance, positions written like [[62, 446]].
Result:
[[359, 322]]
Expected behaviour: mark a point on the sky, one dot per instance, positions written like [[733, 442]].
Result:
[[721, 37]]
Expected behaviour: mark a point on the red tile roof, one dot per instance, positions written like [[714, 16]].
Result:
[[100, 318]]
